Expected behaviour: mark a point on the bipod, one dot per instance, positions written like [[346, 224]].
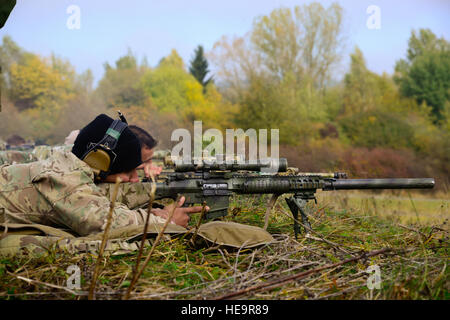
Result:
[[297, 203]]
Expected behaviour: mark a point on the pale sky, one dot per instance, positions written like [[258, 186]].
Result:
[[153, 28]]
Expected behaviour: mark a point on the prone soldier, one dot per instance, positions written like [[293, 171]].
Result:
[[61, 191]]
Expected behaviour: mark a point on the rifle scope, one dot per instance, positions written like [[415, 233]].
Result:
[[258, 165]]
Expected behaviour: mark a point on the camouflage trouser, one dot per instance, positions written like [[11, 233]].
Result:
[[35, 239]]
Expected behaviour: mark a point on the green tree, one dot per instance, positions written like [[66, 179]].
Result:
[[173, 90], [378, 128], [375, 114], [303, 44], [10, 53], [119, 87], [425, 74], [279, 71], [361, 86], [199, 67], [168, 84], [305, 41]]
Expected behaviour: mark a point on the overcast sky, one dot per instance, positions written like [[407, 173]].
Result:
[[152, 28]]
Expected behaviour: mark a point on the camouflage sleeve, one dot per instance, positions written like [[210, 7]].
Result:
[[133, 195], [14, 156], [45, 152], [81, 205]]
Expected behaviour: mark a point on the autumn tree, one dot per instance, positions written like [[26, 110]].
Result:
[[168, 85], [45, 93], [119, 87], [40, 91], [278, 71], [174, 90], [10, 53], [305, 41], [375, 114]]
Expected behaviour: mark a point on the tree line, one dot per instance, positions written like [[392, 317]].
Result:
[[280, 75]]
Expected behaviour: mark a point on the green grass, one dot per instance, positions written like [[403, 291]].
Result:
[[180, 270], [404, 208]]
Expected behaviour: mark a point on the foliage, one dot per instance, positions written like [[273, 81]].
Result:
[[415, 268], [277, 76], [425, 74], [12, 122], [10, 53], [40, 91], [43, 94], [277, 73], [375, 114], [119, 87], [304, 41], [360, 86], [377, 128], [199, 67], [37, 84], [159, 124], [169, 86], [302, 44], [173, 90]]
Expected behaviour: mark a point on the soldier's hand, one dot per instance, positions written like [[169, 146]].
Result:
[[180, 215], [150, 168]]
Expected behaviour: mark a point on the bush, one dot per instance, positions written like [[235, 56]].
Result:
[[360, 162], [378, 129]]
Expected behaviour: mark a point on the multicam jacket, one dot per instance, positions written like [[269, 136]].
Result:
[[15, 156], [2, 145], [26, 156], [60, 192]]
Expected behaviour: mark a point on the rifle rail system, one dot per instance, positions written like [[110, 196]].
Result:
[[215, 183]]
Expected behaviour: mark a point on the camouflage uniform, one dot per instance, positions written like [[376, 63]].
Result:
[[26, 156], [60, 192], [45, 152], [14, 157], [2, 145], [40, 199], [133, 195]]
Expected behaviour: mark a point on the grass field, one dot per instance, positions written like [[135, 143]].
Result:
[[404, 207], [413, 231]]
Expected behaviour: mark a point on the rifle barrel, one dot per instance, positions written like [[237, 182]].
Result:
[[355, 184]]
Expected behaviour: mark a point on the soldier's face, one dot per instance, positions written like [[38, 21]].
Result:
[[132, 176], [146, 155]]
